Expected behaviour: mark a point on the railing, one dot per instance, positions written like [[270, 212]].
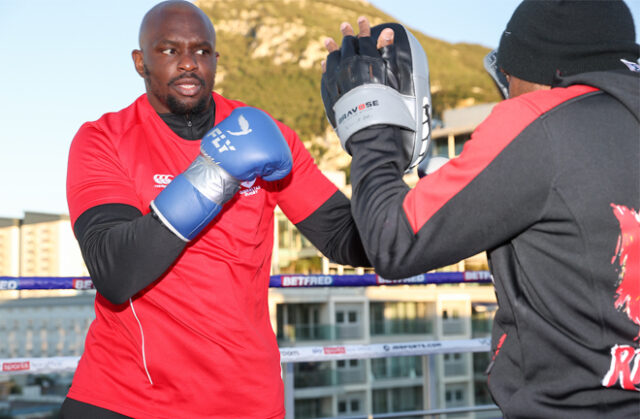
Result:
[[401, 327], [290, 333]]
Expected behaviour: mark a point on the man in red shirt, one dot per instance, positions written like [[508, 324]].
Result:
[[182, 326]]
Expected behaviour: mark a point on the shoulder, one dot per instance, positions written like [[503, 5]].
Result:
[[225, 106], [514, 115], [114, 125]]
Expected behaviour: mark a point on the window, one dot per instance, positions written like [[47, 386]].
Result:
[[342, 406], [312, 408], [350, 404], [351, 363], [353, 317], [355, 405], [298, 322], [455, 365], [440, 147], [460, 140], [350, 371], [455, 395], [400, 317], [348, 324]]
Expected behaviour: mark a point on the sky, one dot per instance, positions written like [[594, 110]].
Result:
[[65, 62]]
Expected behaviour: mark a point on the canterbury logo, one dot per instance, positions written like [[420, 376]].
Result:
[[161, 180]]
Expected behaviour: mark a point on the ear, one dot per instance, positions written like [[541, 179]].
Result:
[[138, 61]]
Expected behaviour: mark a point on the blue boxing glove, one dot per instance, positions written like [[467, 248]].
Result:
[[245, 145]]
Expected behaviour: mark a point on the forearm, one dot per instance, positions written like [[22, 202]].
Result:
[[332, 230], [124, 251], [378, 194]]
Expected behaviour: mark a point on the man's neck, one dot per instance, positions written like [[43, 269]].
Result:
[[191, 126]]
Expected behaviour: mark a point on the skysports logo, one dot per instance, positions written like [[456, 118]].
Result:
[[162, 180], [16, 366], [357, 109], [334, 350]]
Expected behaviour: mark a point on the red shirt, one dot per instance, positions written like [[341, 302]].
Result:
[[198, 342]]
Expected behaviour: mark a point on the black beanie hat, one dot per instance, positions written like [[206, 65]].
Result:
[[545, 37]]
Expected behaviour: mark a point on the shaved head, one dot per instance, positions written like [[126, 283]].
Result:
[[177, 57], [158, 13]]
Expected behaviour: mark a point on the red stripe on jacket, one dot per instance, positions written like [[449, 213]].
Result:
[[507, 120]]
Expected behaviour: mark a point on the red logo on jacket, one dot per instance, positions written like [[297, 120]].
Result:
[[625, 359], [628, 257]]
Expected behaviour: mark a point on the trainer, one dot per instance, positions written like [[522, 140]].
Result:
[[172, 201], [548, 185]]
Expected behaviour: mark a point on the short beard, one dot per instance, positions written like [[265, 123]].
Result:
[[179, 108], [175, 106]]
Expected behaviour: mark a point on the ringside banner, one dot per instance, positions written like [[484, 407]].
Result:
[[276, 281]]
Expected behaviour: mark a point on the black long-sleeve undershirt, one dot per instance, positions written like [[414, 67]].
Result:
[[125, 251]]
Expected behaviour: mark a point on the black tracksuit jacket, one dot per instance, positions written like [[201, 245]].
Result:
[[549, 185]]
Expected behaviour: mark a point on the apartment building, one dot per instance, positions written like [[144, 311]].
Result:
[[10, 246], [388, 315], [40, 244]]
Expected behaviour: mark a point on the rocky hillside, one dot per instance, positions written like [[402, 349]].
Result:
[[270, 54]]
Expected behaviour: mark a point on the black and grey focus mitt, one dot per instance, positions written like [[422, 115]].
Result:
[[363, 86]]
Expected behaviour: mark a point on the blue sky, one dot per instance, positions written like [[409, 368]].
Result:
[[66, 62]]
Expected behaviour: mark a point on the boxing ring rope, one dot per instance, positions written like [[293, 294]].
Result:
[[289, 355], [14, 283]]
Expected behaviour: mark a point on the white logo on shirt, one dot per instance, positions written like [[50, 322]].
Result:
[[162, 180], [251, 191]]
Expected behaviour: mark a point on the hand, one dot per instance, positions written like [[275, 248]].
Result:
[[245, 145], [248, 144], [380, 77], [385, 38]]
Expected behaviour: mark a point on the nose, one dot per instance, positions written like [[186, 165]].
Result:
[[188, 62]]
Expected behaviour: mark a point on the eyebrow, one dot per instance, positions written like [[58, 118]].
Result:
[[169, 42]]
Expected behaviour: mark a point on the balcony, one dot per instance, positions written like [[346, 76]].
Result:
[[317, 375], [401, 327], [290, 333], [457, 327], [481, 327], [392, 368]]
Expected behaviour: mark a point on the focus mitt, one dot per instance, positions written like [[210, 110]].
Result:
[[363, 86]]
